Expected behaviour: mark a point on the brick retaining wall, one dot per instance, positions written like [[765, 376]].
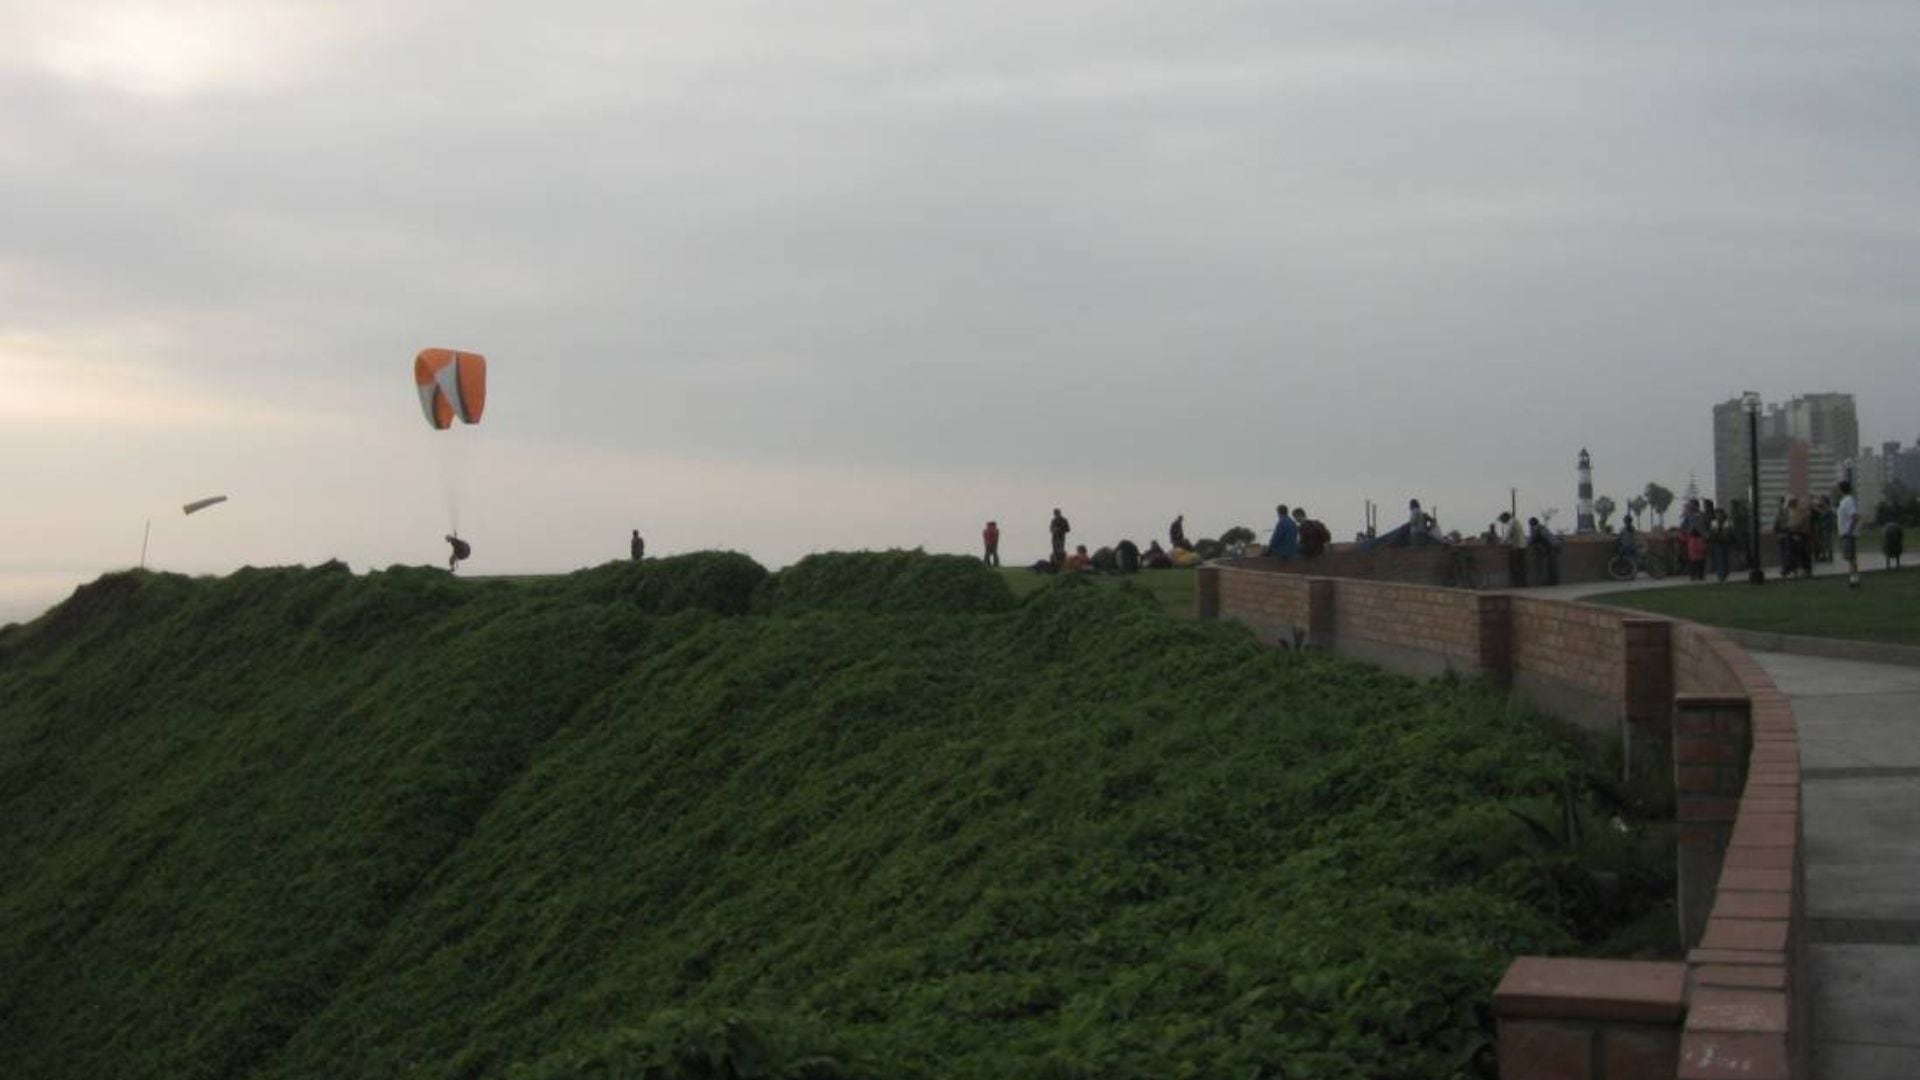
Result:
[[1581, 559], [1700, 728]]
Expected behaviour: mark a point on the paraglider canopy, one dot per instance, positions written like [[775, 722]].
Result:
[[451, 383], [202, 504]]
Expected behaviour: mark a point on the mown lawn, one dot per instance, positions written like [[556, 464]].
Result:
[[1172, 588], [1886, 607]]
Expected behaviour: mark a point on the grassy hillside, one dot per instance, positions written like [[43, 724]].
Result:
[[870, 817], [1173, 588]]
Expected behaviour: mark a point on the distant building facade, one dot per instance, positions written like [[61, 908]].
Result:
[[1875, 474], [1806, 445], [1906, 465], [1731, 478], [1872, 473]]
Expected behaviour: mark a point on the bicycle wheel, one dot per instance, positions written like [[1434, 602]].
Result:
[[1655, 566], [1620, 568]]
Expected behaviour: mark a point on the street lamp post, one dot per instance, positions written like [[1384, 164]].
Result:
[[1752, 402]]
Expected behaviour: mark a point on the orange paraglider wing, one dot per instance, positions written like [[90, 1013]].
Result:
[[451, 383]]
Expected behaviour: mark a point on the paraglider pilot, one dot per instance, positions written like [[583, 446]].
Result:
[[461, 550]]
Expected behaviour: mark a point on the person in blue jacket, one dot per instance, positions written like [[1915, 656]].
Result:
[[1286, 536]]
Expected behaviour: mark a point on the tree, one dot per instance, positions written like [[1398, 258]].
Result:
[[1659, 498], [1603, 508]]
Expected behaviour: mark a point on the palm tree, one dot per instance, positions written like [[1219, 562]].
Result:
[[1603, 508], [1660, 498]]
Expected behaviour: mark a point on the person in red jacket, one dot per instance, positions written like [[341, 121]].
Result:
[[990, 537], [1696, 555]]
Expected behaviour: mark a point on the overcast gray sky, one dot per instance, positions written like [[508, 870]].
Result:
[[788, 277]]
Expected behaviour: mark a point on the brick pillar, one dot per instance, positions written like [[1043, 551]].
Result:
[[1646, 724], [1711, 735], [1568, 1019], [1493, 637], [1320, 601], [1206, 593]]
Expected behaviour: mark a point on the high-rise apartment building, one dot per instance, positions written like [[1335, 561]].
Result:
[[1906, 465], [1806, 445], [1730, 475], [1872, 473]]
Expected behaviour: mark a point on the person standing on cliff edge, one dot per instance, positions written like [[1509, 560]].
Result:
[[990, 539], [1286, 536], [1058, 530]]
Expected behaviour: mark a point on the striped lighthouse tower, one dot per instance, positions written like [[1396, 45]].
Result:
[[1584, 523]]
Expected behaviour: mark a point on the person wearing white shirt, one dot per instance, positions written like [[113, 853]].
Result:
[[1849, 523]]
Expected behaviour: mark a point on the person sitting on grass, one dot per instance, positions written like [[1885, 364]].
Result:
[[1156, 557], [1079, 561]]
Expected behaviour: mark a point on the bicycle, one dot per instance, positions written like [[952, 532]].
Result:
[[1627, 565]]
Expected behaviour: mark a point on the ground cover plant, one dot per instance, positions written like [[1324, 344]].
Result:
[[1171, 588], [684, 818], [1886, 606]]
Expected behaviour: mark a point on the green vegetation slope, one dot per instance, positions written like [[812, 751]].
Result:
[[869, 817]]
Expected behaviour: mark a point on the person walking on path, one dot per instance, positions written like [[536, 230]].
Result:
[[637, 546], [1847, 522], [1800, 525], [990, 539], [1058, 529], [1719, 543], [1286, 536]]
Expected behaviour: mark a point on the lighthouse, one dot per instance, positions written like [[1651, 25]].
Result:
[[1584, 523]]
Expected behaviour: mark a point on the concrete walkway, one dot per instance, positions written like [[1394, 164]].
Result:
[[1860, 809], [1860, 798]]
